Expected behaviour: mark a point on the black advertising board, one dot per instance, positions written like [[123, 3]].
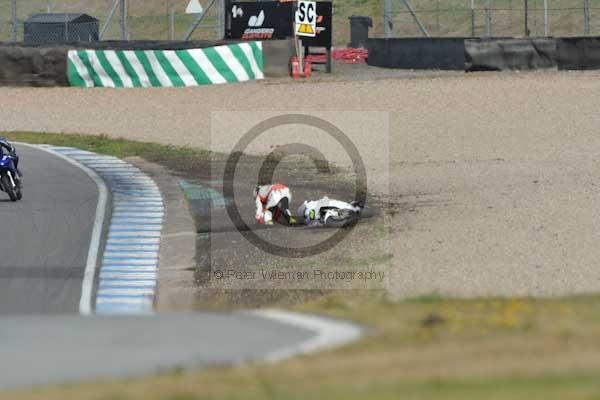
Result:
[[259, 20], [263, 20], [324, 26]]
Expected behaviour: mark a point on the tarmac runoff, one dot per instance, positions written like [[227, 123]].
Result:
[[70, 346]]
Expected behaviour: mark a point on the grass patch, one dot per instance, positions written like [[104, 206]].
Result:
[[493, 349], [175, 157]]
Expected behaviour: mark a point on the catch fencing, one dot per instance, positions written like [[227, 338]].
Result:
[[484, 18], [470, 18], [121, 19], [167, 19]]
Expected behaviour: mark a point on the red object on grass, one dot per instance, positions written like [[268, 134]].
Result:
[[345, 56]]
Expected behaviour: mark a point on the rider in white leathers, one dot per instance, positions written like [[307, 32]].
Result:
[[273, 203]]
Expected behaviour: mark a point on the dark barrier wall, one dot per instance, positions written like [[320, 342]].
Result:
[[579, 53], [510, 54], [21, 66], [277, 55], [417, 53], [31, 65], [131, 45]]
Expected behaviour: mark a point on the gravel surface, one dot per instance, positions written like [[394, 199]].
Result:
[[493, 175]]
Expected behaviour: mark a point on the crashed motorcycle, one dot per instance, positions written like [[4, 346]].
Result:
[[9, 178], [328, 212]]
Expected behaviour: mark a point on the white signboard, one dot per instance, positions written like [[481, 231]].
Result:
[[194, 7], [306, 18]]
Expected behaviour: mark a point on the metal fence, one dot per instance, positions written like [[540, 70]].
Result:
[[120, 19], [465, 18], [491, 17], [166, 19]]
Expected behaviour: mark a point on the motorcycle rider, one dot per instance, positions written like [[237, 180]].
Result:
[[12, 153], [273, 204]]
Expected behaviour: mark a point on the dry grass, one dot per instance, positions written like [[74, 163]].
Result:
[[426, 348]]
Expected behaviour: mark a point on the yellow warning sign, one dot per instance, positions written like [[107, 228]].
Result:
[[306, 29], [306, 18]]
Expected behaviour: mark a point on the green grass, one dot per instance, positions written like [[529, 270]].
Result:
[[103, 144], [482, 348], [178, 158]]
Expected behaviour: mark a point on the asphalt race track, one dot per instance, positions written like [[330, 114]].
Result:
[[44, 245], [42, 350], [45, 237]]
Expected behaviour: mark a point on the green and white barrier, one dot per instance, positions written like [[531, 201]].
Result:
[[166, 68]]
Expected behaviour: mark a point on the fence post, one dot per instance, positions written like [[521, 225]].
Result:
[[488, 18], [387, 19], [546, 19], [123, 19], [13, 17], [473, 18], [172, 19], [586, 16], [526, 18], [221, 19]]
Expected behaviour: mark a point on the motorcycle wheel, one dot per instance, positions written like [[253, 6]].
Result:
[[19, 194], [345, 218], [8, 187]]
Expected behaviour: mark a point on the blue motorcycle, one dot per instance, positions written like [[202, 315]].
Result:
[[9, 178]]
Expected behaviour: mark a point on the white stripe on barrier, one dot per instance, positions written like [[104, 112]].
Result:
[[258, 74], [204, 63], [106, 80], [115, 63], [138, 68], [180, 68], [80, 68], [160, 73], [232, 63]]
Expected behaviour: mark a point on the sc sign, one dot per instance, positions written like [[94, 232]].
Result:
[[306, 19]]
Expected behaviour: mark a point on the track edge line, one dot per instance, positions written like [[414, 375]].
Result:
[[329, 333], [87, 287]]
